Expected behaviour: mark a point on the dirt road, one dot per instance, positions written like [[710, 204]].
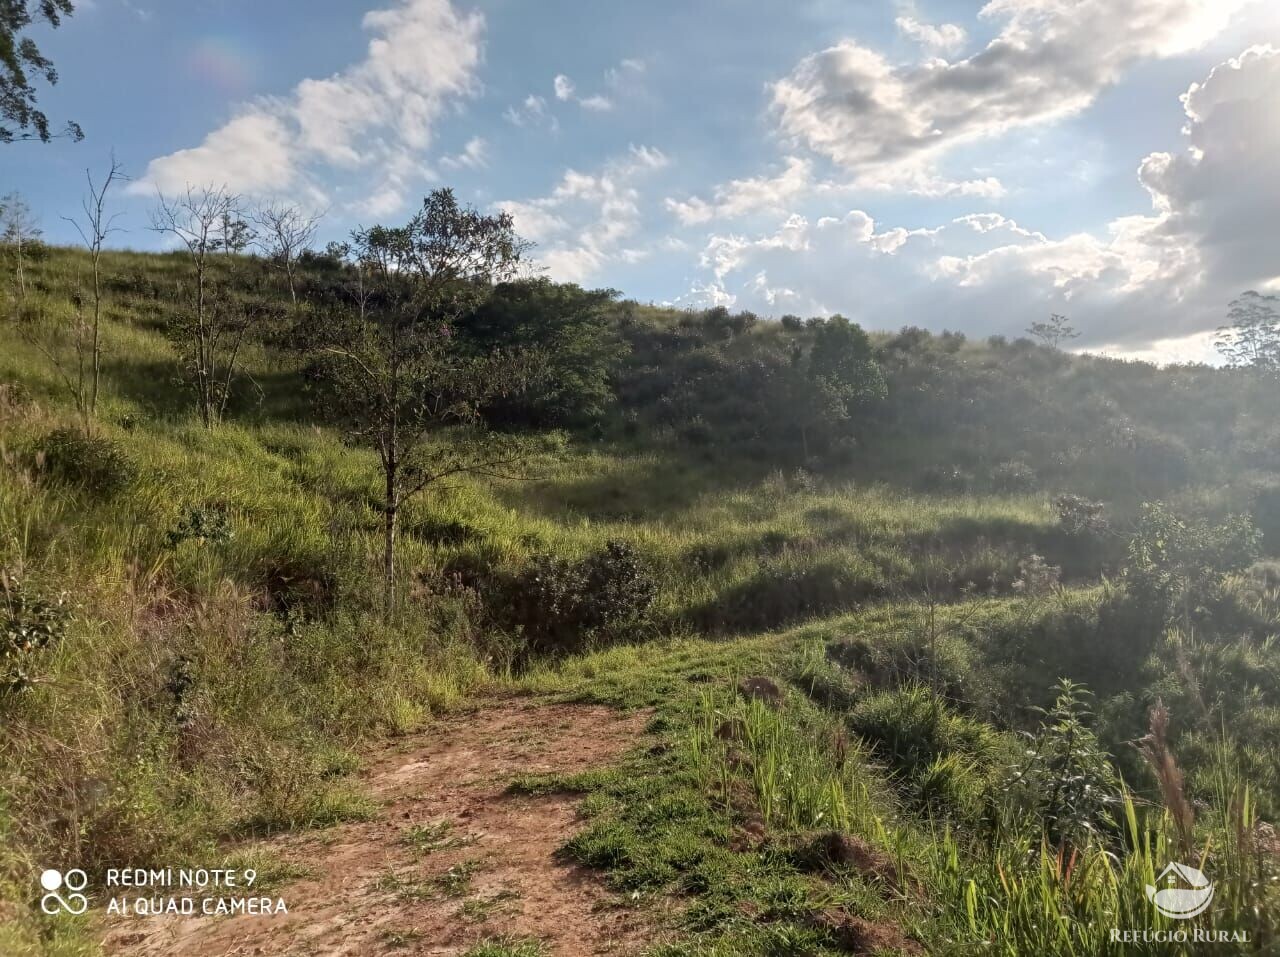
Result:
[[451, 860]]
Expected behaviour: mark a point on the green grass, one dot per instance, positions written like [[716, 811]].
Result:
[[215, 690]]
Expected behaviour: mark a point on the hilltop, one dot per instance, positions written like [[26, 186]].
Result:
[[917, 539]]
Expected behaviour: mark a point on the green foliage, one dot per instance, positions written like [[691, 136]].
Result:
[[1063, 780], [205, 525], [912, 728], [561, 606], [578, 346], [93, 463], [31, 623], [1252, 339], [1176, 564], [20, 58]]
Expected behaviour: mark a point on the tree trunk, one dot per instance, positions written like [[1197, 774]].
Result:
[[390, 509]]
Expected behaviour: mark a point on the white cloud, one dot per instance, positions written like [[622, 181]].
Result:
[[532, 112], [1150, 286], [1049, 59], [942, 38], [750, 195], [475, 155], [564, 87], [584, 223], [377, 113], [740, 197]]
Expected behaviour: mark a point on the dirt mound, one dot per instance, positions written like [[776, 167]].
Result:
[[451, 859]]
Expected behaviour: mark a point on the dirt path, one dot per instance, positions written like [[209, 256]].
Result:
[[449, 861]]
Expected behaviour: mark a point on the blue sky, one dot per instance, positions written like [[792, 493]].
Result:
[[948, 164]]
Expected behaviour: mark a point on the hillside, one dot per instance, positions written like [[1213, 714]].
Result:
[[916, 541]]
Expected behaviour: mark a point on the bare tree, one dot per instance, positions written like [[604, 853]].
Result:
[[19, 230], [1054, 332], [284, 233], [94, 229], [206, 221]]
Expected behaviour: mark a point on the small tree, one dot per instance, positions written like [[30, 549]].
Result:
[[19, 230], [19, 58], [284, 233], [1252, 339], [94, 229], [395, 368], [835, 379], [1054, 332], [206, 221]]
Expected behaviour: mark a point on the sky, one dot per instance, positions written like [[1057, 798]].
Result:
[[947, 164]]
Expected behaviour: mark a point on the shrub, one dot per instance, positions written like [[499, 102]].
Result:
[[201, 524], [1266, 516], [912, 727], [30, 623], [93, 463], [946, 663], [1064, 781], [1013, 477], [563, 606], [1079, 516], [945, 478]]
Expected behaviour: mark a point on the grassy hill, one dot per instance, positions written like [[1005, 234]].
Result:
[[197, 652]]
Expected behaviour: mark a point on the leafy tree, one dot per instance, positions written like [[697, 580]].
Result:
[[1054, 332], [1252, 339], [836, 378], [572, 330], [20, 58], [395, 367]]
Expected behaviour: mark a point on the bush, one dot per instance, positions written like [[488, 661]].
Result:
[[947, 663], [793, 587], [30, 623], [945, 478], [1064, 781], [911, 727], [1013, 477], [1079, 516], [93, 463], [1266, 516], [563, 606]]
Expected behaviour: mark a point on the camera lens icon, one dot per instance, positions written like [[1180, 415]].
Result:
[[74, 881]]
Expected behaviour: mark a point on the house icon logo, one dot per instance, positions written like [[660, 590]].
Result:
[[1188, 893]]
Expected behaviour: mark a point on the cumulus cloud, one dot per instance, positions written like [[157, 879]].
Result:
[[567, 91], [1152, 284], [1049, 59], [475, 155], [587, 219], [378, 112], [942, 38], [742, 196]]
